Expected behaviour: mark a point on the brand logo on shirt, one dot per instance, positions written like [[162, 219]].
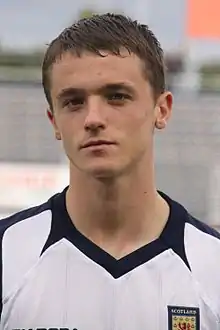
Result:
[[183, 318]]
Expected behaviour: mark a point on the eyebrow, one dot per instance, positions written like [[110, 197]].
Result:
[[71, 91], [117, 86]]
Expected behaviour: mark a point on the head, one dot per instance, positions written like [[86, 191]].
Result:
[[104, 80]]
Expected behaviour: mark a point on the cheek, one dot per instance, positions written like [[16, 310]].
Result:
[[67, 132], [139, 133], [138, 124], [65, 125]]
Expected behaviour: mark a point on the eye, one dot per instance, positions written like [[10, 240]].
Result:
[[74, 103], [118, 97]]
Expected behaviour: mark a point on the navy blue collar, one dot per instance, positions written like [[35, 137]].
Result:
[[172, 237]]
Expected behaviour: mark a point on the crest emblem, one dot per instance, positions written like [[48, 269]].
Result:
[[183, 318]]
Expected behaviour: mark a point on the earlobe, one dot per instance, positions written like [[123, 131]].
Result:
[[160, 124], [58, 136]]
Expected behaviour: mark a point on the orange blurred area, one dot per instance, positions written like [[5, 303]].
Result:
[[203, 19]]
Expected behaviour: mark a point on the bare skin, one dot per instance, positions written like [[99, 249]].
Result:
[[112, 197]]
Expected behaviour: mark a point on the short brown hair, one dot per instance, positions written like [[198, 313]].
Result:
[[109, 32]]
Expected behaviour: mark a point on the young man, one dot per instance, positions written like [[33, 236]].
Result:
[[109, 252]]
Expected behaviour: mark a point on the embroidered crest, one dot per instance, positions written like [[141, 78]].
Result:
[[183, 318]]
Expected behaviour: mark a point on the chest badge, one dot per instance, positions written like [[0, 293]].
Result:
[[183, 318]]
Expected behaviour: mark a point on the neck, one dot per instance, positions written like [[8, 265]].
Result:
[[125, 209]]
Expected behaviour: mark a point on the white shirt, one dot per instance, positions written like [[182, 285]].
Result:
[[54, 277]]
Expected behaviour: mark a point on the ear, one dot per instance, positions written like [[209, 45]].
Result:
[[52, 120], [163, 110]]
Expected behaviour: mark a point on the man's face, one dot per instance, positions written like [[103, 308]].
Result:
[[104, 112]]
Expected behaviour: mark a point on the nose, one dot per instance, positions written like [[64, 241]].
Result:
[[95, 118]]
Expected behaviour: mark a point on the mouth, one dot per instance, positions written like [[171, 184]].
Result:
[[96, 143]]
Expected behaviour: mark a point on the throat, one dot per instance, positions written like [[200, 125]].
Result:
[[117, 222]]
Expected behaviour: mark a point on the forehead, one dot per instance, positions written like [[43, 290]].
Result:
[[91, 71]]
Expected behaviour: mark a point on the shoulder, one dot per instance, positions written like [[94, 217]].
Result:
[[202, 246], [22, 238], [23, 233], [23, 217], [200, 237], [36, 214], [198, 245]]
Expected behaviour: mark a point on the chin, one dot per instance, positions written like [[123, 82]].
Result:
[[103, 171]]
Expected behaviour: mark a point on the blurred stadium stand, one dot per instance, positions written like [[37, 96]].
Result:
[[26, 135]]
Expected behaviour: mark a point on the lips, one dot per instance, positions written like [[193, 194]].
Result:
[[96, 143]]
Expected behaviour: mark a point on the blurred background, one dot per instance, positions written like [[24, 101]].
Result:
[[32, 164]]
